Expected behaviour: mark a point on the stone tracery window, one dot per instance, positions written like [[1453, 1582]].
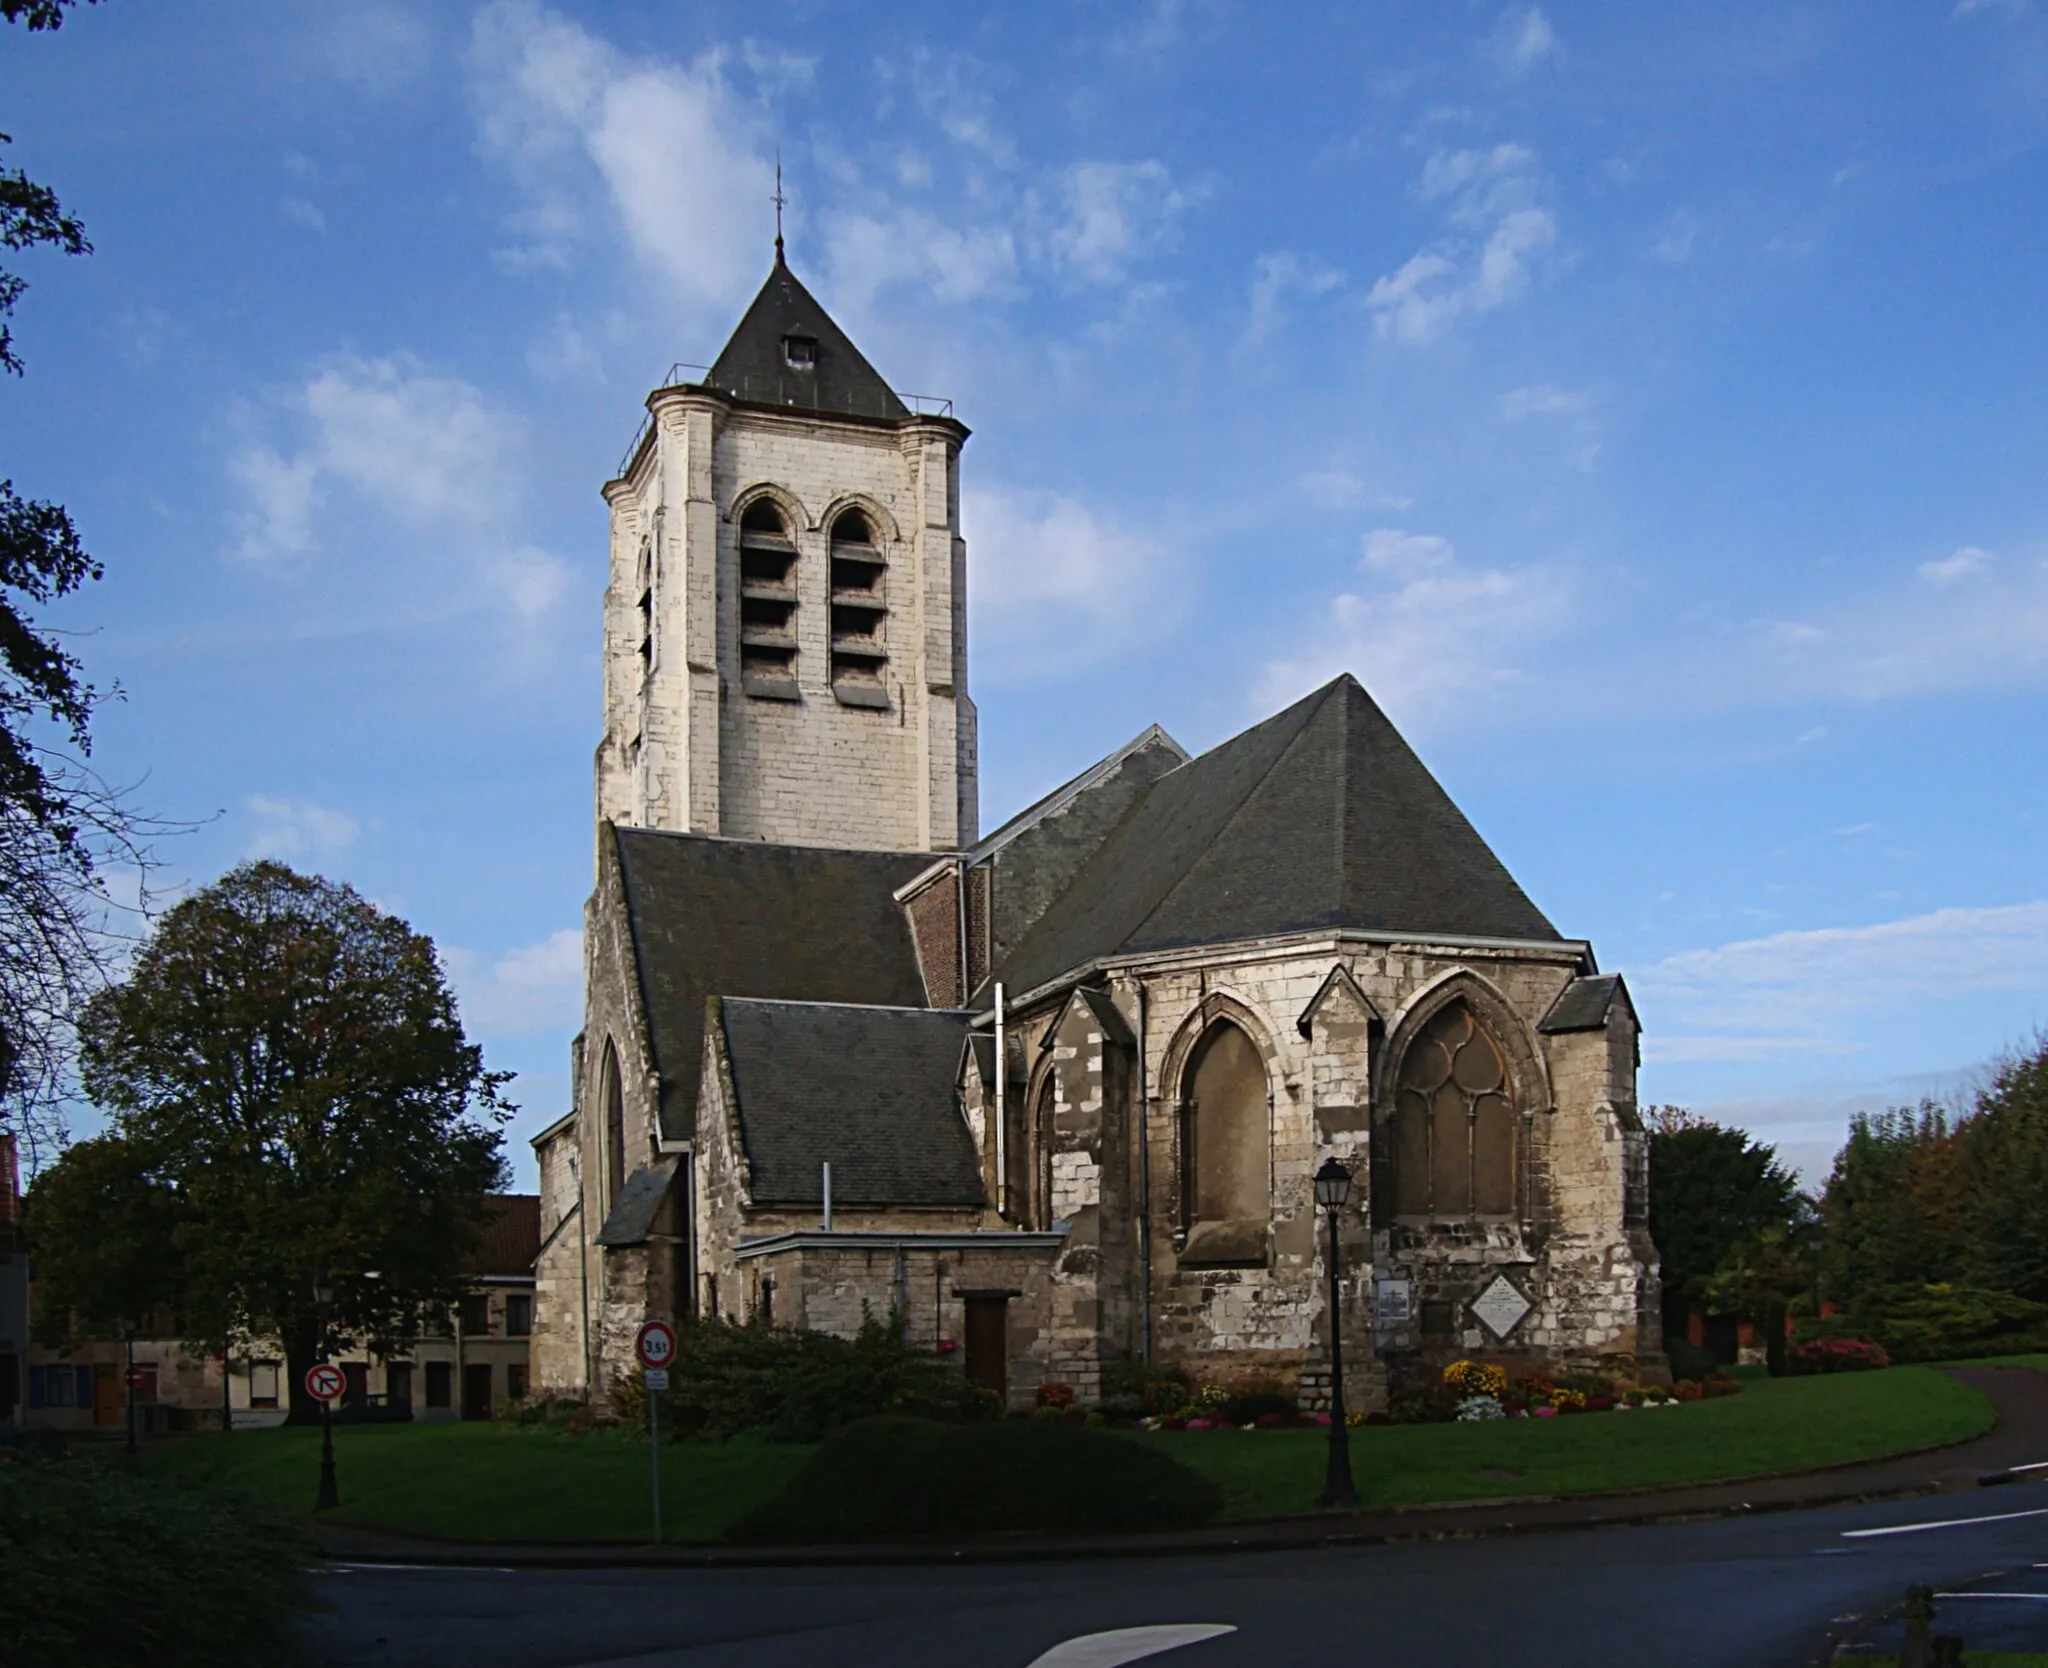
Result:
[[1454, 1122]]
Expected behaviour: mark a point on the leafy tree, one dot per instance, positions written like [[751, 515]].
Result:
[[1765, 1275], [60, 824], [1711, 1188], [2006, 1174], [1896, 1204], [288, 1058], [104, 1229]]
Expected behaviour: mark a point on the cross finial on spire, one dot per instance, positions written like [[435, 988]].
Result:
[[779, 200]]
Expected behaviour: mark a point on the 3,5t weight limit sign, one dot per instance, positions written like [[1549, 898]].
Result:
[[656, 1347]]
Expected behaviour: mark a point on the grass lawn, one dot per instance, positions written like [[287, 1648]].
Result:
[[1784, 1424], [492, 1482]]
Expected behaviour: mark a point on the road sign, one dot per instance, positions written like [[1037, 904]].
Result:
[[656, 1344], [656, 1378], [325, 1381]]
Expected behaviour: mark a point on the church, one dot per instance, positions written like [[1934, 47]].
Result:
[[1050, 1097]]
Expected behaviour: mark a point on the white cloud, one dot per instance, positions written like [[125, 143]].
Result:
[[1540, 399], [1112, 212], [1675, 239], [867, 253], [533, 989], [1490, 198], [429, 450], [1434, 637], [681, 160], [298, 828], [302, 213], [1053, 582], [1797, 993], [1521, 41], [1281, 274], [1966, 563], [377, 46], [2010, 8]]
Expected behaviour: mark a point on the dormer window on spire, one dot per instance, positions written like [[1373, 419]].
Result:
[[800, 351]]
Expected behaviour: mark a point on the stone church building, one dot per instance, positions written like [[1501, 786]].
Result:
[[1054, 1094]]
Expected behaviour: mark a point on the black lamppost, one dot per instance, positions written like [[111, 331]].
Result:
[[329, 1496], [128, 1376], [1333, 1187]]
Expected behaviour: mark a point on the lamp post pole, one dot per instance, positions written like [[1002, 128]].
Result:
[[329, 1496], [1333, 1187]]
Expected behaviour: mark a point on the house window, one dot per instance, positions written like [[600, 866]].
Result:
[[515, 1381], [767, 603], [476, 1315], [440, 1384], [1454, 1123], [435, 1322], [859, 612], [398, 1383], [263, 1384], [518, 1315], [800, 351], [60, 1386]]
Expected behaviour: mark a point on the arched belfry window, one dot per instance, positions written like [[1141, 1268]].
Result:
[[612, 1106], [859, 612], [1226, 1173], [1454, 1122], [767, 602]]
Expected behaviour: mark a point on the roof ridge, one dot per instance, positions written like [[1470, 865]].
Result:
[[861, 1007], [1044, 806], [770, 845]]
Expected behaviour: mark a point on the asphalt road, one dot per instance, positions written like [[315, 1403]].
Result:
[[1750, 1591]]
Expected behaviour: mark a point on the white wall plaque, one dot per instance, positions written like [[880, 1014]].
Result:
[[1501, 1306]]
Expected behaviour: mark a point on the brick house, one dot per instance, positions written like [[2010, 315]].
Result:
[[1054, 1095]]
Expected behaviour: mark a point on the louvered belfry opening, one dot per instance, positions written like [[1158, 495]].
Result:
[[859, 612], [1454, 1138], [767, 603]]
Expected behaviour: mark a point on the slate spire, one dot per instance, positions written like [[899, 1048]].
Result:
[[788, 352]]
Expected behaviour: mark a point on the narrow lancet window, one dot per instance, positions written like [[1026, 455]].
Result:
[[768, 600], [859, 613]]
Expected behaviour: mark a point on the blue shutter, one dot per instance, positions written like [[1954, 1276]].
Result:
[[84, 1396], [35, 1386]]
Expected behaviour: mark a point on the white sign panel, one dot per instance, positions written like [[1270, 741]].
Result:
[[1501, 1306], [656, 1378], [1392, 1302]]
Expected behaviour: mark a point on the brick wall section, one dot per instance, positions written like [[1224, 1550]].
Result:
[[935, 927]]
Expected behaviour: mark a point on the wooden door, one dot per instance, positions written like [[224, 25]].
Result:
[[476, 1390], [988, 1342], [109, 1398]]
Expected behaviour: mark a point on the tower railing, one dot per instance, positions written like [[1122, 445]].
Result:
[[770, 391]]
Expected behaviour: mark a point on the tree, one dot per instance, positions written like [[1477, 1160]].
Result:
[[1711, 1188], [104, 1229], [288, 1058], [1897, 1203], [61, 826], [2006, 1174]]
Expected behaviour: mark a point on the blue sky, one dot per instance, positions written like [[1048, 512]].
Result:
[[1645, 402]]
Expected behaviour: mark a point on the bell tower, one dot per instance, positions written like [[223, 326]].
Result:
[[785, 644]]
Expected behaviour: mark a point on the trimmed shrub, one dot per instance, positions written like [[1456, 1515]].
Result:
[[1939, 1322], [789, 1385], [1251, 1407], [1689, 1360], [1837, 1355], [886, 1479], [106, 1570], [1158, 1389]]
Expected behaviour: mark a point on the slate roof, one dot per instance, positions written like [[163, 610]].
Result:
[[714, 917], [755, 366], [509, 1239], [1584, 1004], [869, 1090], [1322, 816], [633, 1211]]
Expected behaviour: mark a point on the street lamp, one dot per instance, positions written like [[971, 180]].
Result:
[[1333, 1187], [329, 1496]]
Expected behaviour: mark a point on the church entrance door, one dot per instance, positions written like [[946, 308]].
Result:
[[988, 1341]]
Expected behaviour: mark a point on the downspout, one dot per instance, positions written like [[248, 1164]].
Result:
[[1144, 1196], [826, 1183], [1002, 1130]]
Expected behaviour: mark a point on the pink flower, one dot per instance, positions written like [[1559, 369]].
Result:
[[1201, 1424], [1542, 1413]]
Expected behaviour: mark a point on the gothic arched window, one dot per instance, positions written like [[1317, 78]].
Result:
[[612, 1104], [767, 602], [1042, 1148], [1454, 1122], [1225, 1157], [859, 608]]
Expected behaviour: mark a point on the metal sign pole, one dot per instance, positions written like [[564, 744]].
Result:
[[654, 1452]]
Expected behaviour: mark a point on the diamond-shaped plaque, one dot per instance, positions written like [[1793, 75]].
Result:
[[1501, 1306]]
